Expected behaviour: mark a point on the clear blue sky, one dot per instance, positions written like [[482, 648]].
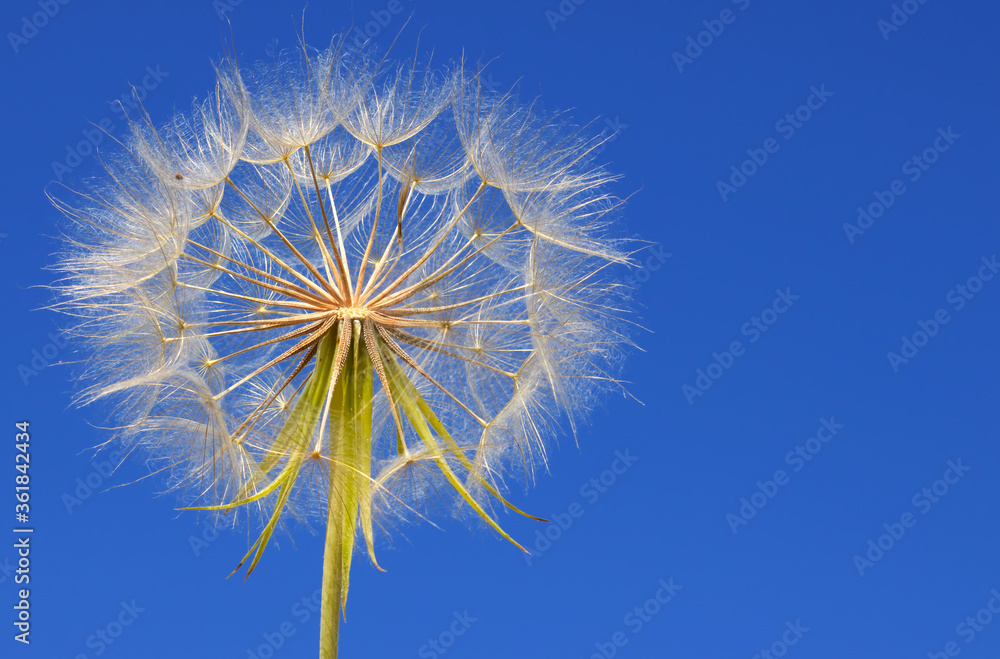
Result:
[[840, 105]]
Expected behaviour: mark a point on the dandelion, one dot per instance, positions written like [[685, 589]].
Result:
[[337, 289]]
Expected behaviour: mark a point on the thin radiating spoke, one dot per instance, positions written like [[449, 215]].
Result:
[[443, 271], [427, 344], [423, 259], [294, 350], [413, 311], [295, 273], [252, 419], [371, 237], [416, 367], [249, 298], [337, 247], [331, 290], [304, 296]]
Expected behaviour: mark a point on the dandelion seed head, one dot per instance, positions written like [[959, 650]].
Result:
[[395, 229]]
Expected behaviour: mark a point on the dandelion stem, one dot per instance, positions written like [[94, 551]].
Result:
[[349, 496]]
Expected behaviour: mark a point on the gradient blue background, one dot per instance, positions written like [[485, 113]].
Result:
[[665, 517]]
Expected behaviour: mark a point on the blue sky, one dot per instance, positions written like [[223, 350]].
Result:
[[787, 485]]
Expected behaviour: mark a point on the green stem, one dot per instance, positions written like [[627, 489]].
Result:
[[329, 626], [350, 465]]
